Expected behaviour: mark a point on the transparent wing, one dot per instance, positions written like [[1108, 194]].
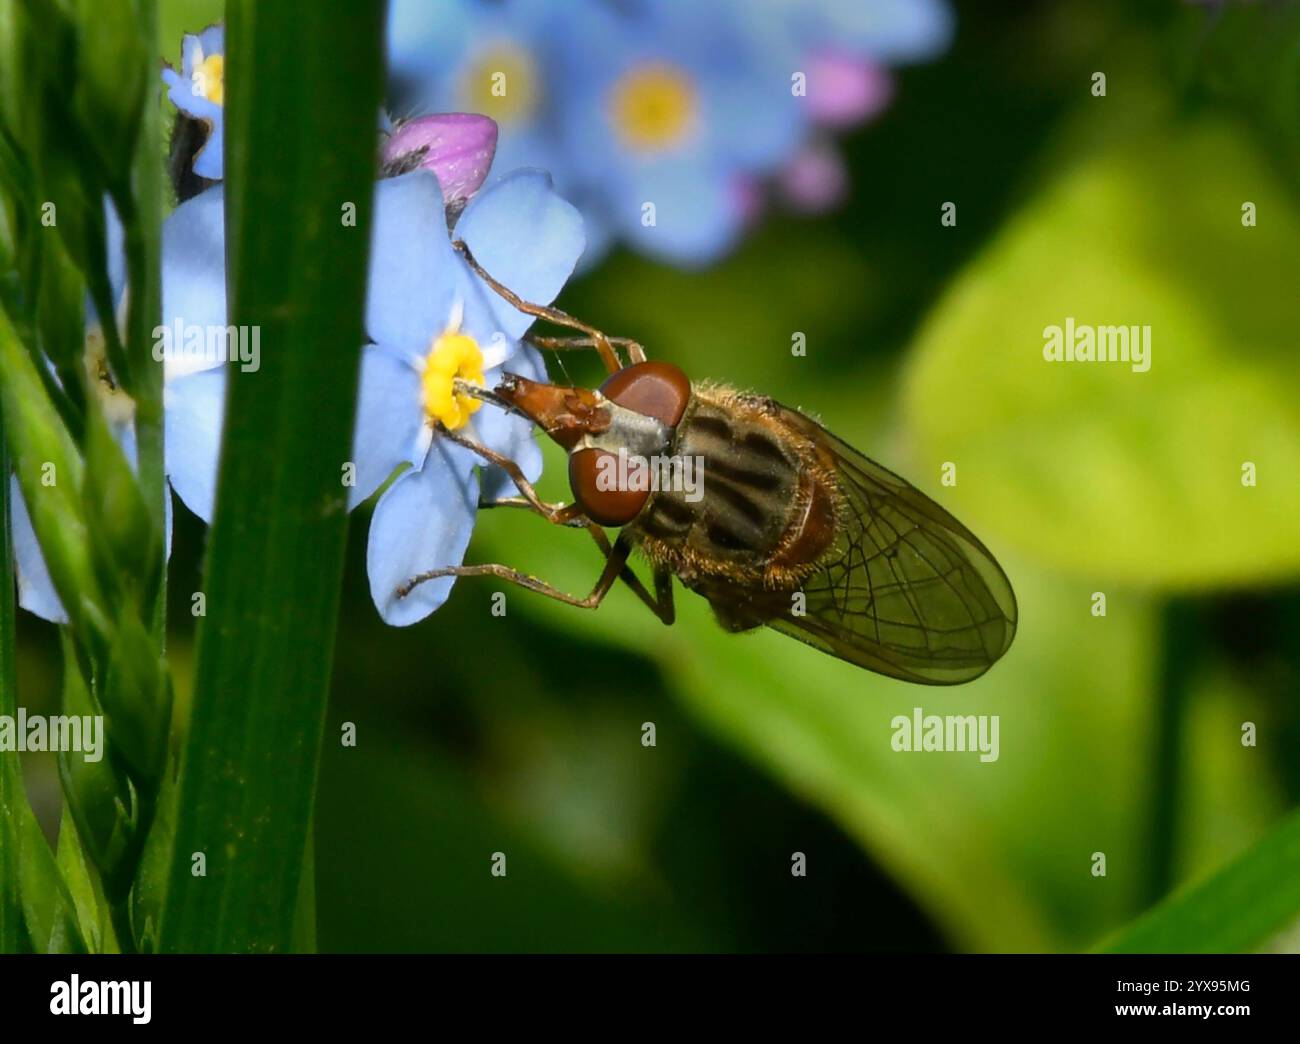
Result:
[[906, 590]]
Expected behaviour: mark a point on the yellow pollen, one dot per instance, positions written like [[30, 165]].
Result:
[[453, 355], [501, 82], [653, 107], [209, 79]]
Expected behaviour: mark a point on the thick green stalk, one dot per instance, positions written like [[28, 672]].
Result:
[[303, 90]]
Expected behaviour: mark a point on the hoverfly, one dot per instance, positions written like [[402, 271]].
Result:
[[794, 529]]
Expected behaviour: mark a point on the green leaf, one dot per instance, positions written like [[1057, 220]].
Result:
[[1236, 909], [97, 797], [48, 909], [997, 853], [1133, 477], [113, 50], [298, 77], [41, 448], [89, 901]]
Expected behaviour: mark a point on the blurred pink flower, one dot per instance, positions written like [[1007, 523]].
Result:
[[845, 90], [816, 180]]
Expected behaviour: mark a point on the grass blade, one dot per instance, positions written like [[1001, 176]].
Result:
[[1235, 910], [303, 92]]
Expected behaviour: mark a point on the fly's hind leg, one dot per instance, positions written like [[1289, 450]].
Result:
[[616, 556], [552, 315], [613, 567], [616, 567], [661, 602]]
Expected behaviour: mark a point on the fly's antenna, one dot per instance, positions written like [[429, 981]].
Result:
[[559, 358]]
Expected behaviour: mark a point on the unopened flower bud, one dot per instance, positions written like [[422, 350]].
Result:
[[456, 146]]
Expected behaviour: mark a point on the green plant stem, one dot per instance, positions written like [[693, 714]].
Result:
[[299, 76], [144, 260], [11, 932]]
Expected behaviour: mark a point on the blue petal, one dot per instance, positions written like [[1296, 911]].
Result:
[[424, 39], [423, 521], [213, 40], [526, 237], [193, 411], [389, 418], [194, 272], [180, 89], [697, 213], [35, 588], [886, 30], [509, 434], [114, 242], [209, 163], [413, 268]]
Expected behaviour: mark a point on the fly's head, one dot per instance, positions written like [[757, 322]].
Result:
[[634, 414]]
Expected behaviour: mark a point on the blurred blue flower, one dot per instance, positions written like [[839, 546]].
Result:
[[672, 107], [885, 31], [199, 91], [431, 319], [478, 56], [662, 122]]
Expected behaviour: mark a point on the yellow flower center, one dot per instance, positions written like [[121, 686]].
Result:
[[452, 355], [502, 83], [209, 79], [653, 106]]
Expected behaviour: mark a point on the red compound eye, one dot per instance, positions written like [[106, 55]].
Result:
[[656, 389], [599, 490]]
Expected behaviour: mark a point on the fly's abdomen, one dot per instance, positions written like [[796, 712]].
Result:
[[745, 496]]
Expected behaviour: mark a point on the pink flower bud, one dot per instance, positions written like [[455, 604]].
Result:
[[815, 180], [843, 90], [457, 146]]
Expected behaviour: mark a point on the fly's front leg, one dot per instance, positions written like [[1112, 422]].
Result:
[[560, 514], [551, 315], [635, 352]]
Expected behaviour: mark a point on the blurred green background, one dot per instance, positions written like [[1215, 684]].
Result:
[[1120, 734]]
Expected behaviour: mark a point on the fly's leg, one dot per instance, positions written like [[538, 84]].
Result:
[[560, 514], [613, 567], [635, 352], [553, 315], [660, 603]]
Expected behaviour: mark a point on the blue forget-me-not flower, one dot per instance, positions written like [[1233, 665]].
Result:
[[199, 91]]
